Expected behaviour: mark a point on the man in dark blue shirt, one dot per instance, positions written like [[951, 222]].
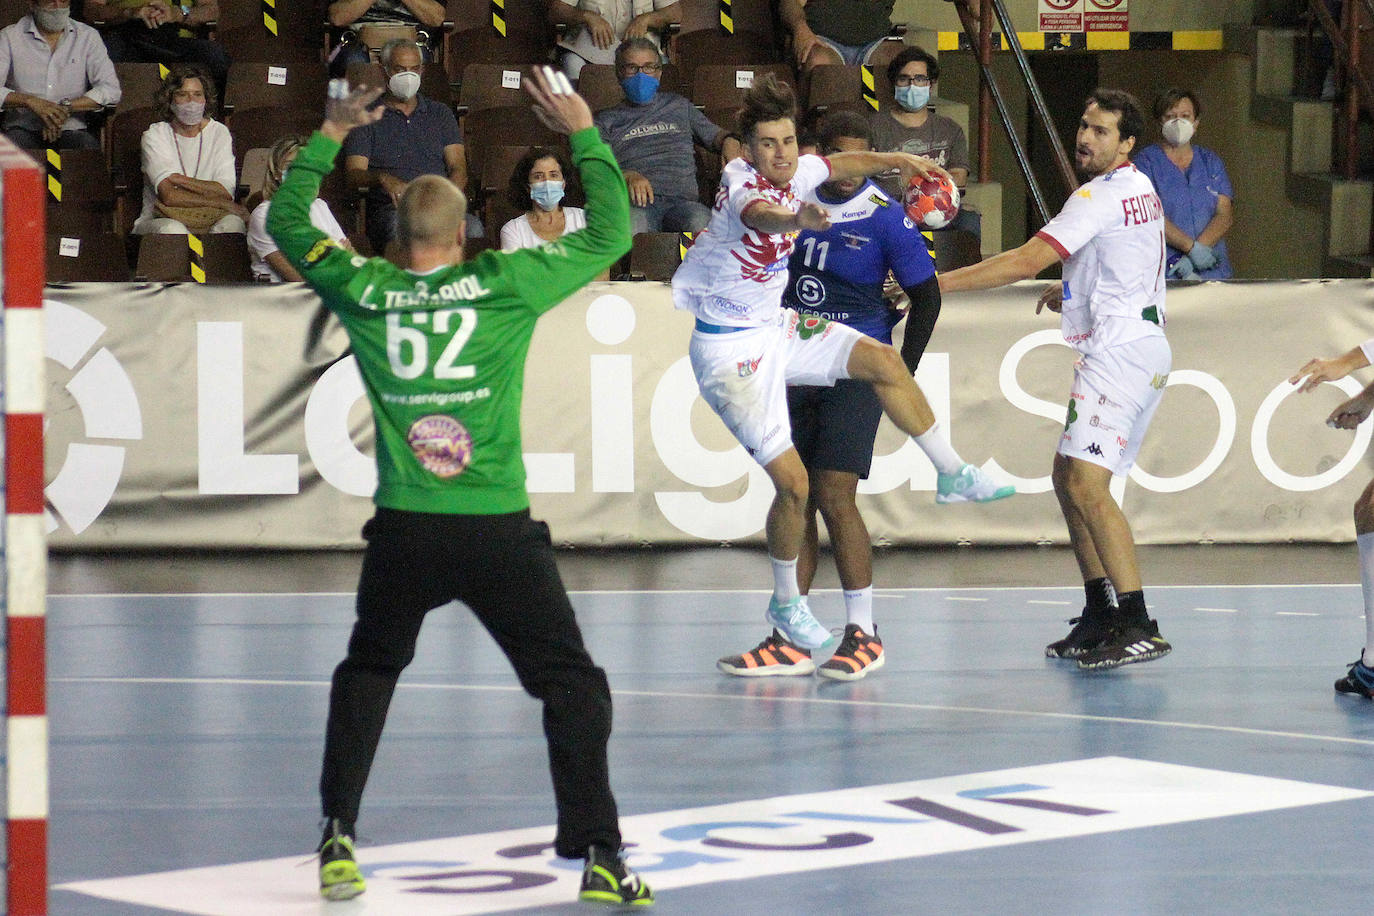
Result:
[[841, 274]]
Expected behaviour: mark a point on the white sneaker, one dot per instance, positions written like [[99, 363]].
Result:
[[794, 621], [970, 485]]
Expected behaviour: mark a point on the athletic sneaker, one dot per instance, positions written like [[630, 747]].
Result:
[[1359, 680], [859, 655], [340, 878], [1134, 642], [1089, 632], [794, 621], [774, 657], [607, 879], [970, 485]]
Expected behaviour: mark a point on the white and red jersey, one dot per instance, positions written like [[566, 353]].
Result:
[[734, 275], [1111, 237]]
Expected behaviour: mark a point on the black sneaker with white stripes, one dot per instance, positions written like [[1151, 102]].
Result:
[[1128, 644], [1089, 631]]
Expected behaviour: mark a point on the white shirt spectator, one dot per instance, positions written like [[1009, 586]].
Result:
[[518, 233], [79, 66], [260, 244], [209, 156]]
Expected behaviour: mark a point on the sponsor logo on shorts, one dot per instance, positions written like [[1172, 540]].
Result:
[[1092, 448], [1097, 422], [747, 367], [441, 444], [1121, 441], [1078, 338], [1103, 400], [1072, 413], [1159, 381]]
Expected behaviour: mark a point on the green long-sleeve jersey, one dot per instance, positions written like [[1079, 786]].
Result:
[[442, 355]]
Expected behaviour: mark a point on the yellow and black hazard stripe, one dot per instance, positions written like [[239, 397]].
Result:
[[684, 241], [727, 16], [498, 16], [1205, 40], [197, 257], [269, 15], [870, 92], [55, 175]]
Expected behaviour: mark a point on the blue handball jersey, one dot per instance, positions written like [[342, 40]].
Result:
[[839, 273]]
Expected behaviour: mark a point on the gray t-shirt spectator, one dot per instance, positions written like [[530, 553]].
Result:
[[656, 140], [940, 138]]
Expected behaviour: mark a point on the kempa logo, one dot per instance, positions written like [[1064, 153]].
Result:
[[108, 405]]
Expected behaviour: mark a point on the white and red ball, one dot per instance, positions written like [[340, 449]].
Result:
[[932, 203]]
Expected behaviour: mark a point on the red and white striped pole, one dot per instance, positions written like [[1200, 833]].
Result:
[[26, 552]]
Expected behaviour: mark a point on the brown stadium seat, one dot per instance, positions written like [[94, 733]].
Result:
[[259, 84], [86, 256], [955, 248], [79, 190], [168, 258], [656, 255]]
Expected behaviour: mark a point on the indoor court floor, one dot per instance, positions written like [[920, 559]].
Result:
[[187, 697]]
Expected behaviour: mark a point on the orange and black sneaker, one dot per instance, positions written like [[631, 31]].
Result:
[[774, 657], [859, 655]]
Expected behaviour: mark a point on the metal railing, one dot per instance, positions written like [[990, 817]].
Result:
[[1358, 91]]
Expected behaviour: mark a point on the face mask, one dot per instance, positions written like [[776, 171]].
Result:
[[640, 88], [546, 194], [912, 98], [1178, 131], [189, 113], [404, 85], [52, 20]]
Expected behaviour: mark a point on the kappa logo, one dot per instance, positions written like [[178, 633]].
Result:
[[1092, 448], [108, 406], [678, 849]]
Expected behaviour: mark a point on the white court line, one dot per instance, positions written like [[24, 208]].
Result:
[[963, 598], [819, 701], [1295, 614], [1038, 601], [701, 591], [1218, 610]]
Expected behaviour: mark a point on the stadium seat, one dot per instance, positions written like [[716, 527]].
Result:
[[656, 255], [745, 16], [254, 127], [11, 11], [257, 84], [138, 84], [167, 258], [496, 212], [492, 86], [491, 127], [723, 86], [694, 49], [514, 32], [123, 140], [955, 248], [837, 86], [282, 32], [497, 166], [80, 192], [86, 257]]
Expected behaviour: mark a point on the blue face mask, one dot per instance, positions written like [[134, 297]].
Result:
[[546, 194], [640, 88], [912, 98]]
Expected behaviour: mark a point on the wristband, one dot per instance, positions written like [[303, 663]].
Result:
[[1368, 348]]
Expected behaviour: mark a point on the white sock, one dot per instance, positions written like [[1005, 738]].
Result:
[[858, 608], [939, 450], [1365, 543], [784, 579]]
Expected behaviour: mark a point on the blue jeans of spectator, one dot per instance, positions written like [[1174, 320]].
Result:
[[70, 139], [670, 214]]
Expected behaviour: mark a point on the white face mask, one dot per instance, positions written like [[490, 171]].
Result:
[[52, 20], [1178, 131], [188, 113], [404, 85]]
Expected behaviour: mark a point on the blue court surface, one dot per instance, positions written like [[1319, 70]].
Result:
[[970, 775]]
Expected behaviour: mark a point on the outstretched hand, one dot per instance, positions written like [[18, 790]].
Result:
[[1316, 371], [1353, 412], [1052, 298], [346, 109], [810, 216], [555, 103], [912, 166]]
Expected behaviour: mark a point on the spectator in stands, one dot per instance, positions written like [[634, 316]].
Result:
[[269, 264], [415, 136], [188, 161], [835, 31], [156, 31], [369, 24], [911, 127], [597, 27], [651, 134], [1196, 191], [538, 185], [53, 68]]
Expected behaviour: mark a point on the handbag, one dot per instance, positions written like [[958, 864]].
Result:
[[195, 219]]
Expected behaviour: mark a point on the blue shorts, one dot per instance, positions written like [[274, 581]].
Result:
[[851, 54], [833, 428]]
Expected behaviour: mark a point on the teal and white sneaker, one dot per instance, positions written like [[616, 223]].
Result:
[[970, 485], [794, 621]]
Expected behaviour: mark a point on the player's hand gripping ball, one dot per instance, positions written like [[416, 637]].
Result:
[[932, 203]]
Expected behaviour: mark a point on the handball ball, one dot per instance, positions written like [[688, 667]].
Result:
[[932, 203]]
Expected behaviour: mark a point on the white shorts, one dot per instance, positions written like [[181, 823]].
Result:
[[744, 375], [1115, 393]]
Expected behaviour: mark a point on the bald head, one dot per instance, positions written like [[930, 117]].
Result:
[[431, 212]]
